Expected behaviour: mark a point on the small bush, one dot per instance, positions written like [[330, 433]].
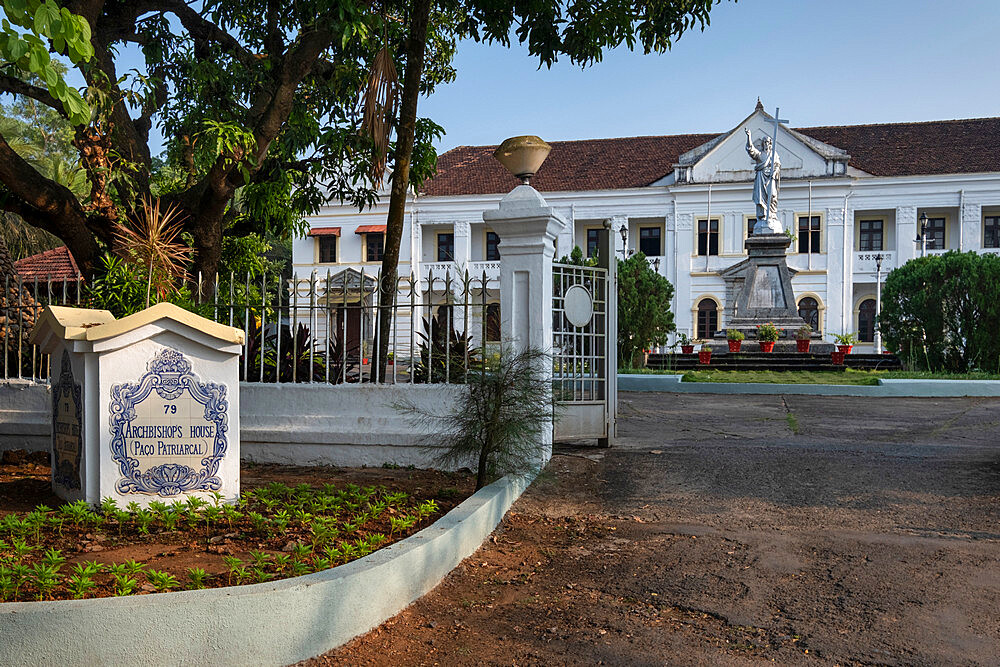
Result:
[[942, 312]]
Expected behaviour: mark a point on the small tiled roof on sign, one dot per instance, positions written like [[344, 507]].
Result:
[[55, 265], [889, 149]]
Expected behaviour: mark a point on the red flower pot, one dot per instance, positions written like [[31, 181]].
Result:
[[845, 349], [837, 357], [734, 345], [704, 356], [802, 345], [687, 349], [766, 345]]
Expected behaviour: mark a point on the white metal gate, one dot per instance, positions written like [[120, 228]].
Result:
[[584, 347]]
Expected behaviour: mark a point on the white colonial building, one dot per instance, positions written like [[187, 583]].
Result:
[[848, 193]]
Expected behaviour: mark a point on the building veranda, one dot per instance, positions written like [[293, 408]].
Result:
[[849, 194]]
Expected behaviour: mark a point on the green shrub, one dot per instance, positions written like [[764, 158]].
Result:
[[644, 316], [942, 312]]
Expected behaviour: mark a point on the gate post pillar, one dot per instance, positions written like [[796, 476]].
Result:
[[527, 228]]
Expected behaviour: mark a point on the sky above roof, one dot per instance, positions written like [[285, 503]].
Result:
[[823, 63]]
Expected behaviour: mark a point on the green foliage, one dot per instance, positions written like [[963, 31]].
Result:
[[644, 316], [734, 334], [804, 332], [498, 422], [576, 258], [942, 312], [849, 338], [120, 287], [445, 353], [44, 25], [768, 332]]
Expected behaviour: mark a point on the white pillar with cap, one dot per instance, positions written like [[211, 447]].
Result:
[[527, 227]]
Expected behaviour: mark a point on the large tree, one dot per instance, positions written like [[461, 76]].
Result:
[[580, 30], [257, 98]]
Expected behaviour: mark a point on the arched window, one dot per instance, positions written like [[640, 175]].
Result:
[[492, 322], [708, 318], [866, 321], [809, 311]]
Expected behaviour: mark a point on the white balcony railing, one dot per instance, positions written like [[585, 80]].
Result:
[[491, 268], [864, 261], [438, 270]]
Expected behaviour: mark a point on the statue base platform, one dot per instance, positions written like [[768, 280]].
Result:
[[766, 295]]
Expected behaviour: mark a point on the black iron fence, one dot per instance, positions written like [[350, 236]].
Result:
[[320, 328], [20, 306]]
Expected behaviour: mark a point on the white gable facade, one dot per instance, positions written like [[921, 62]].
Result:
[[693, 221]]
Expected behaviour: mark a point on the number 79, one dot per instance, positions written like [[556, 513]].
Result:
[[169, 409]]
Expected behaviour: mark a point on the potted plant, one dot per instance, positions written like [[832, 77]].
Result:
[[687, 345], [735, 339], [390, 359], [767, 334], [845, 342], [802, 337], [705, 354]]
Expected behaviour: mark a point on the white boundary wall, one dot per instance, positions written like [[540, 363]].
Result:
[[275, 623], [300, 424]]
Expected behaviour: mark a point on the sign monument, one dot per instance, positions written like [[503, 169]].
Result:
[[144, 408]]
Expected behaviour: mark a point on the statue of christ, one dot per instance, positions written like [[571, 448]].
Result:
[[765, 185]]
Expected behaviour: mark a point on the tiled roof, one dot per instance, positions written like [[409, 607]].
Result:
[[891, 149], [324, 231], [593, 164], [370, 229], [56, 265], [900, 149]]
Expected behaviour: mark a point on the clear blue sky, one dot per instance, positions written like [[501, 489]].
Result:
[[824, 62]]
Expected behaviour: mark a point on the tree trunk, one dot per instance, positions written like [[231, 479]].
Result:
[[481, 478], [416, 46], [206, 230]]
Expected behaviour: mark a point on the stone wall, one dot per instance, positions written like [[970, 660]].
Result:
[[301, 424]]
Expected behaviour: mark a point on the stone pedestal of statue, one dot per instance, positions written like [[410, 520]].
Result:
[[766, 294]]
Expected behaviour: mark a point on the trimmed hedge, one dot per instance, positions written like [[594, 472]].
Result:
[[942, 312]]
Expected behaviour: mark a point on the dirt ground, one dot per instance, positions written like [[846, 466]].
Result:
[[736, 530]]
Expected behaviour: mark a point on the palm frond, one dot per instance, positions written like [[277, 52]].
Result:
[[379, 101], [152, 240]]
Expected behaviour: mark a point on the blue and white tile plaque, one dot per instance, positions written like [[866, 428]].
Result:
[[168, 429]]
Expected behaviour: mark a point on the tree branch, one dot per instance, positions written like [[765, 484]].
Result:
[[203, 30], [46, 204], [16, 86]]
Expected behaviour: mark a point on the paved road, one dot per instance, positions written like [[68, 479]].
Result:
[[738, 530]]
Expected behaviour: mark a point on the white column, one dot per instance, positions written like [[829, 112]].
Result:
[[835, 271], [906, 231], [526, 226], [463, 244], [971, 221], [617, 223], [669, 268], [684, 244], [849, 324]]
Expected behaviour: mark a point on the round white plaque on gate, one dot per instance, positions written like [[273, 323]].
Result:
[[578, 305]]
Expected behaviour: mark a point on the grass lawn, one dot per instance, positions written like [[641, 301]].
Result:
[[848, 376], [784, 377]]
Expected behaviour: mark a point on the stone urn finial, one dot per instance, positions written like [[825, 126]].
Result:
[[522, 156]]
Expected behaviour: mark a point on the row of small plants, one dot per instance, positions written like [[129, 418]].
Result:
[[295, 531]]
